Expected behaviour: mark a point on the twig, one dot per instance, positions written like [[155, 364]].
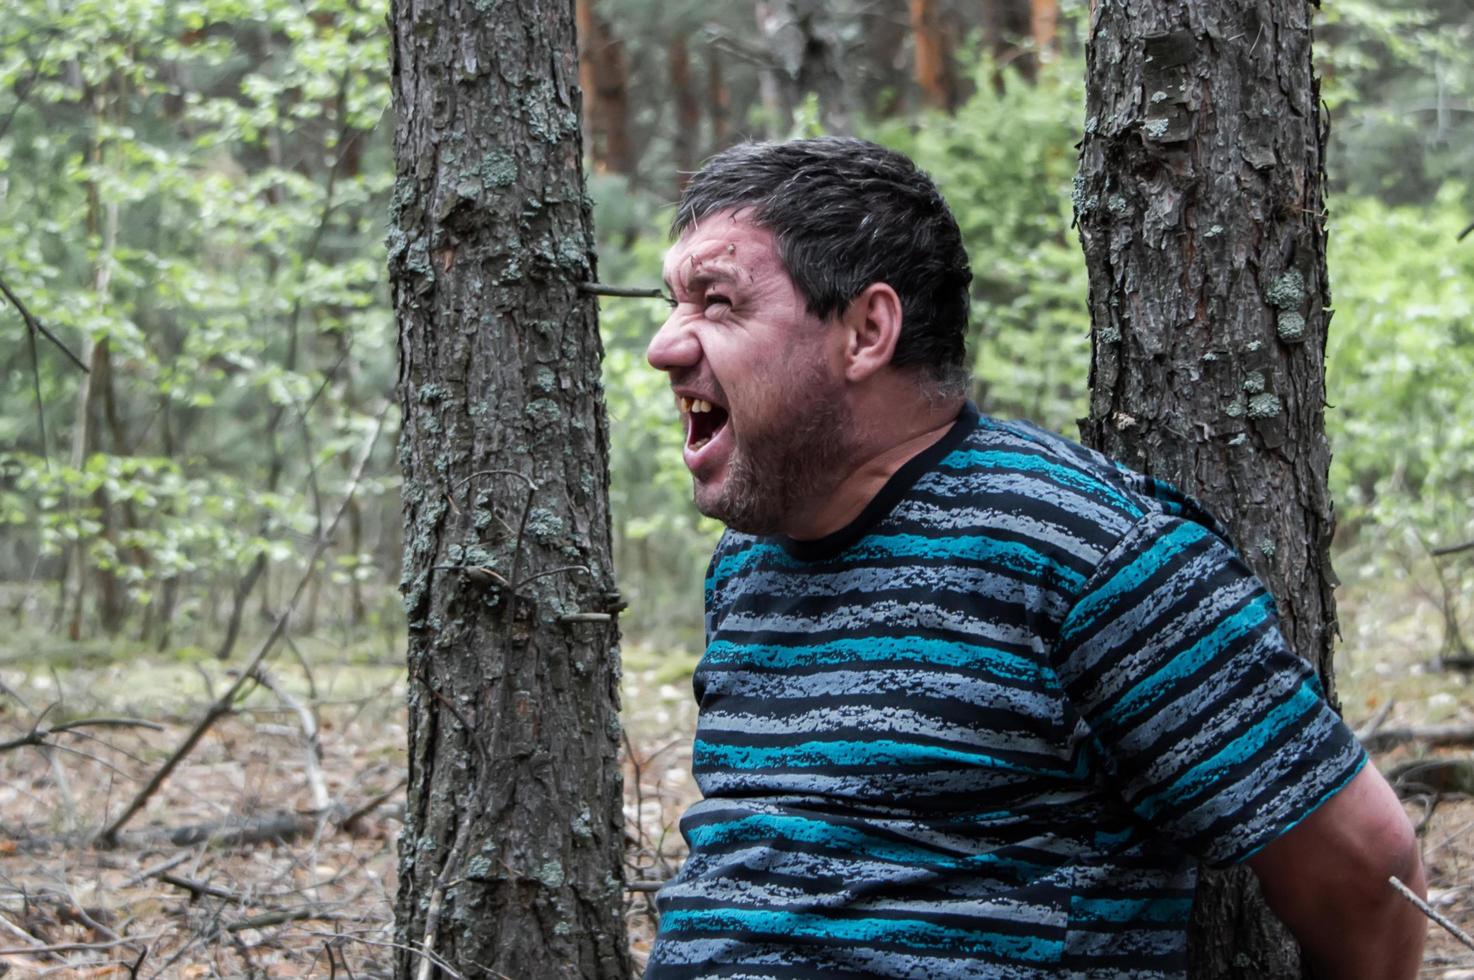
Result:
[[168, 864], [221, 706], [39, 327], [79, 947], [430, 955], [347, 822], [198, 888], [280, 916], [1431, 913], [1452, 549], [1369, 728], [321, 802], [38, 735], [629, 292]]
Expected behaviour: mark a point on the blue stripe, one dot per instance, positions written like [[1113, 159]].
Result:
[[1065, 476], [915, 933], [1202, 776], [730, 565], [1147, 564], [1167, 911], [878, 649], [1212, 646], [764, 827], [846, 752]]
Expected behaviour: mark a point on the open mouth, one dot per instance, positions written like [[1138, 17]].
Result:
[[703, 421]]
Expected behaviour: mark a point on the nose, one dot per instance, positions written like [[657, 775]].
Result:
[[674, 346]]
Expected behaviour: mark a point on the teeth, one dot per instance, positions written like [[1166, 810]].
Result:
[[702, 405], [683, 403], [699, 443]]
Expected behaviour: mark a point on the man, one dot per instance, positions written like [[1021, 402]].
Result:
[[975, 701]]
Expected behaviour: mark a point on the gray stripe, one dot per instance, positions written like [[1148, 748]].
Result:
[[964, 486], [882, 721], [1124, 632], [830, 684], [890, 615]]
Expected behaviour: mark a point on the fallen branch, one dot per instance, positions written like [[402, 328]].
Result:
[[273, 827], [222, 705], [1430, 912], [198, 888], [281, 916], [1433, 735]]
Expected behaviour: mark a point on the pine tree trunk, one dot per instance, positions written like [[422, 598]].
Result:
[[1006, 25], [933, 62], [1201, 213], [1044, 26], [688, 110], [718, 99], [802, 37], [604, 78], [511, 856]]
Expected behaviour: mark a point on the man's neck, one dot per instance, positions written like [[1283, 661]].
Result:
[[892, 438]]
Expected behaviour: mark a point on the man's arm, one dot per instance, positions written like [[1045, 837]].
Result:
[[1327, 880]]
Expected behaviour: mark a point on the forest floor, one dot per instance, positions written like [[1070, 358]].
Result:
[[221, 874]]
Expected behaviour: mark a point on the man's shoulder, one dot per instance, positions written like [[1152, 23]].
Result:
[[1046, 473]]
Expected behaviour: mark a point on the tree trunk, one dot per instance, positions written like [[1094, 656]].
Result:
[[933, 64], [718, 99], [688, 110], [1200, 211], [1044, 26], [802, 37], [1006, 25], [604, 78], [511, 857]]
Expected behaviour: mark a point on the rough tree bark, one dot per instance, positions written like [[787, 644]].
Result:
[[1200, 208], [511, 856]]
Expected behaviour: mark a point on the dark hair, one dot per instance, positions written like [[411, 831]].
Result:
[[847, 213]]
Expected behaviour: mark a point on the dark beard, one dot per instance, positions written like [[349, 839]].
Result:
[[784, 469]]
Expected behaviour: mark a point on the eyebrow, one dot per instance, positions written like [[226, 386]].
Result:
[[706, 276]]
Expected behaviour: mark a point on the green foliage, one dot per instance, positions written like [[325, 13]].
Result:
[[194, 195], [1399, 85], [1005, 162], [1399, 362]]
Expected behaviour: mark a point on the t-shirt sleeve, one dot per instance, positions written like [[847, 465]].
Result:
[[1212, 729]]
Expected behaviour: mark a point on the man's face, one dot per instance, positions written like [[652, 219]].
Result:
[[757, 378]]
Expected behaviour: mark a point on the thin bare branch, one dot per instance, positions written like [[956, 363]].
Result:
[[1431, 913], [629, 292], [36, 325]]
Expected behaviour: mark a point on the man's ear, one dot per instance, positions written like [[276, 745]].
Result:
[[872, 325]]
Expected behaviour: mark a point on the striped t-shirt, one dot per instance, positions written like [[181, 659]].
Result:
[[987, 730]]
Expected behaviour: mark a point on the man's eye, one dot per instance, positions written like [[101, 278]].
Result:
[[716, 299]]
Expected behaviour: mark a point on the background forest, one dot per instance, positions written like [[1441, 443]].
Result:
[[193, 208]]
